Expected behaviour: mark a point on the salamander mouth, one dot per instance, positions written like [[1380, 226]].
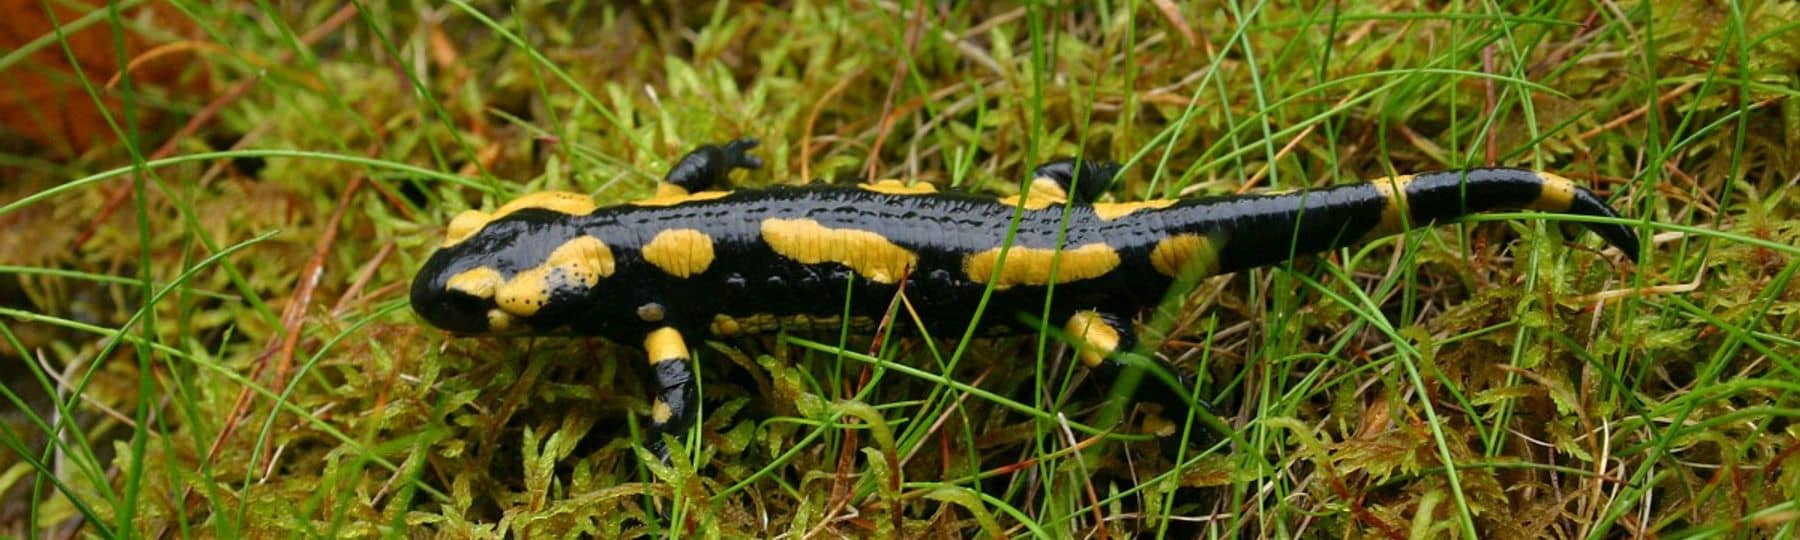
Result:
[[460, 313]]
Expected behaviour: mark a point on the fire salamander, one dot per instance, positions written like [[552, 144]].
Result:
[[697, 260]]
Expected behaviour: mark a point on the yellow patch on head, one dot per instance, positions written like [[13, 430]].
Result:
[[470, 222], [560, 201], [869, 254], [1094, 339], [525, 293], [1112, 211], [680, 252], [478, 282], [896, 187], [465, 225], [671, 198], [665, 345], [1557, 194], [1174, 254], [1393, 215], [1031, 266], [580, 262]]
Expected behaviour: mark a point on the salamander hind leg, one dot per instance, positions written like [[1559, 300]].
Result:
[[1063, 181], [676, 401], [709, 167], [1079, 180]]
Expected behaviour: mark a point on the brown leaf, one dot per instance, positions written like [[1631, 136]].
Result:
[[41, 96]]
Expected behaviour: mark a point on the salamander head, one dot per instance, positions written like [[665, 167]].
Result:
[[523, 268]]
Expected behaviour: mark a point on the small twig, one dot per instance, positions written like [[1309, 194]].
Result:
[[363, 275], [63, 387], [1490, 100], [1087, 480], [1639, 112], [1257, 177], [1172, 13], [938, 424]]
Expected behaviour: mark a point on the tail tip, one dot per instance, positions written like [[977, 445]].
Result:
[[1618, 235]]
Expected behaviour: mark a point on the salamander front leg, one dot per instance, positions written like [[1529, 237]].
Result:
[[676, 401], [1099, 338], [1098, 335], [708, 167]]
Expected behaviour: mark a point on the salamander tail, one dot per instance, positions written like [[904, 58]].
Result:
[[1581, 202]]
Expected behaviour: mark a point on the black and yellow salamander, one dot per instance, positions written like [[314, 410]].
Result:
[[697, 260]]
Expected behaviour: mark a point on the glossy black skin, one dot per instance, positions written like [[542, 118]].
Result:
[[747, 277], [1267, 229]]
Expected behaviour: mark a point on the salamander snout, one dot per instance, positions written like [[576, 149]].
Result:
[[453, 302]]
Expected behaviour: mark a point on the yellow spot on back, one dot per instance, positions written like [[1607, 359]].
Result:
[[669, 198], [665, 345], [1094, 339], [1557, 196], [1043, 193], [869, 254], [1175, 254], [470, 222], [1393, 215], [1031, 266], [1112, 211], [585, 259], [478, 282], [680, 252], [580, 262], [896, 187], [1045, 187], [665, 189]]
